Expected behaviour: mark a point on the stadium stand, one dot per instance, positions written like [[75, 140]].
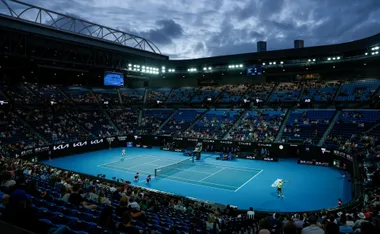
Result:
[[213, 124], [207, 92], [152, 120], [259, 92], [182, 95], [349, 126], [232, 93], [160, 94], [286, 92], [48, 93], [258, 125], [320, 91], [125, 120], [361, 90], [95, 121], [22, 94], [181, 120], [132, 96], [107, 95], [55, 125], [307, 126], [80, 95]]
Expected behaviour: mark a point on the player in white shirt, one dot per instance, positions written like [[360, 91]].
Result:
[[123, 155]]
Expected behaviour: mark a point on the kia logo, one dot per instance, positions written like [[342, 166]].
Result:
[[60, 147], [95, 142], [80, 144]]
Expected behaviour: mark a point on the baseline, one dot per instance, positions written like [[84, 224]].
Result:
[[248, 181]]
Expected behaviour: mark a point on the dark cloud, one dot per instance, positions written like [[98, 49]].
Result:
[[193, 29], [167, 30]]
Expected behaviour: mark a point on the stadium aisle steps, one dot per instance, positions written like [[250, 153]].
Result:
[[328, 130], [119, 96], [283, 125], [237, 122], [167, 120]]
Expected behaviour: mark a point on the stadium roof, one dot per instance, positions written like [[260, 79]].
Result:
[[54, 20]]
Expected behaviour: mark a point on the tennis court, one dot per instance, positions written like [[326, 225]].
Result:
[[240, 182], [198, 173]]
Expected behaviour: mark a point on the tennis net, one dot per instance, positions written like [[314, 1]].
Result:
[[174, 166]]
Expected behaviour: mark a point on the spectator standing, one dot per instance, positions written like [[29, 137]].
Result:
[[312, 228]]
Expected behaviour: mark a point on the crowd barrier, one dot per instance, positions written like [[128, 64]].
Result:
[[309, 155]]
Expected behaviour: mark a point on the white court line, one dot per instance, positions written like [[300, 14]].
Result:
[[125, 170], [199, 185], [211, 174], [179, 169], [181, 178], [143, 164], [127, 158], [248, 181], [235, 168]]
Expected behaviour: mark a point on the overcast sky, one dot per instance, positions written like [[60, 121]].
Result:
[[202, 28]]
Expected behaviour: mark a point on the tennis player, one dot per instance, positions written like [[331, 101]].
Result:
[[123, 155], [279, 189], [148, 179], [137, 176]]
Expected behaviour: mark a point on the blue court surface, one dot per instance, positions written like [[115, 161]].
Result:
[[243, 183]]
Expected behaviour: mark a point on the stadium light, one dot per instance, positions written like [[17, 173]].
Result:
[[309, 60], [163, 67], [282, 62], [240, 65], [328, 59], [338, 58], [129, 65], [209, 68], [366, 54], [274, 63], [205, 68], [263, 64], [313, 60]]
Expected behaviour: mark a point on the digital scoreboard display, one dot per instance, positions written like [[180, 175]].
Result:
[[113, 79], [255, 70]]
